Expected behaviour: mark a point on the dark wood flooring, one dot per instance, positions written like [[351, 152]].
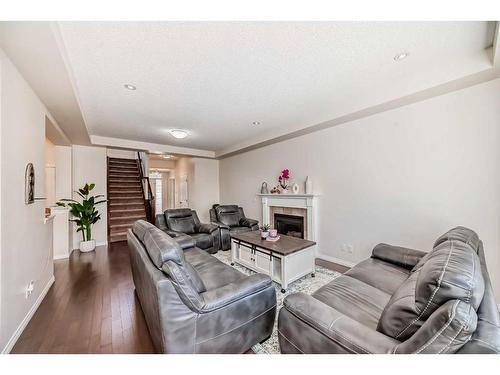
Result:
[[92, 307]]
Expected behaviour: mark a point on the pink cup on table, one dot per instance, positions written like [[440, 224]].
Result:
[[273, 233]]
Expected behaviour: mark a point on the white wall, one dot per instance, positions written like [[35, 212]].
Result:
[[26, 247], [89, 166], [121, 154], [64, 174], [402, 177], [204, 186]]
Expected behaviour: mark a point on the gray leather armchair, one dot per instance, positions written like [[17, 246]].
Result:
[[192, 302], [184, 221], [231, 219], [400, 301]]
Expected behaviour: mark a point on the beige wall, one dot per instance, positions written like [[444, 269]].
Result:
[[89, 166], [402, 177], [26, 242], [50, 153]]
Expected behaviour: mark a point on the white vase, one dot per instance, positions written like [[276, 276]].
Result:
[[86, 246], [309, 185]]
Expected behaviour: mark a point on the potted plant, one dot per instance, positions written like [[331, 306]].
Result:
[[85, 214], [264, 231], [283, 180]]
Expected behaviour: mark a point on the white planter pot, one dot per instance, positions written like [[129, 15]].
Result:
[[264, 235], [86, 246]]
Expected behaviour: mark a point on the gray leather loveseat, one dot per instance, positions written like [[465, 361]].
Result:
[[192, 302], [400, 301]]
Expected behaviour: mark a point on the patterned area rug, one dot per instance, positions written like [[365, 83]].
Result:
[[306, 284]]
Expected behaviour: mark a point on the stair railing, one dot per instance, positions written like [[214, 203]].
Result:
[[147, 192]]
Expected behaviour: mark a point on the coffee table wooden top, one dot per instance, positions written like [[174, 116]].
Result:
[[286, 245]]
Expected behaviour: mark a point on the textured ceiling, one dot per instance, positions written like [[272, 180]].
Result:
[[216, 78]]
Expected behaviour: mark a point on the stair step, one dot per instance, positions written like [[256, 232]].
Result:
[[120, 227], [115, 214], [113, 206], [126, 176], [124, 191], [125, 179], [125, 220], [126, 161], [124, 183], [118, 237], [126, 199]]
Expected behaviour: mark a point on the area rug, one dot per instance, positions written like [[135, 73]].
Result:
[[306, 284]]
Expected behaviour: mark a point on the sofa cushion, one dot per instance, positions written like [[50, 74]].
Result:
[[162, 248], [184, 224], [451, 271], [203, 240], [239, 229], [140, 227], [461, 234], [354, 298], [212, 271], [379, 274], [229, 215]]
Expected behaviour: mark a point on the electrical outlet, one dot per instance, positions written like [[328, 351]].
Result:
[[343, 248], [30, 288], [350, 249]]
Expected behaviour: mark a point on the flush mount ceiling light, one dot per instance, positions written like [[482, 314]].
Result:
[[256, 123], [167, 156], [401, 56], [128, 86], [178, 133]]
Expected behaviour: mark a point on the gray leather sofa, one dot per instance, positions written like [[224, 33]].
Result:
[[184, 221], [192, 302], [400, 301], [231, 219]]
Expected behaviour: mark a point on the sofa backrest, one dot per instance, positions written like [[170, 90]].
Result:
[[230, 215], [162, 249], [451, 271], [182, 220]]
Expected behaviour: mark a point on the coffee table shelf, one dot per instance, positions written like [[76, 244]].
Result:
[[285, 260]]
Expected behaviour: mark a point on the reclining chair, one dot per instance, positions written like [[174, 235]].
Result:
[[184, 221], [231, 219]]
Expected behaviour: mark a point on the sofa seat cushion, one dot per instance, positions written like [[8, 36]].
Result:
[[203, 240], [212, 272], [379, 274], [355, 299], [240, 229]]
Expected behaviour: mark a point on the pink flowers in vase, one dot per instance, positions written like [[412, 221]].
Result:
[[283, 179]]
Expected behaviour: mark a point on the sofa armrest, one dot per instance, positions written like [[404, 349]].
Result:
[[174, 233], [207, 228], [246, 222], [400, 256], [185, 241], [220, 225], [353, 336], [230, 293]]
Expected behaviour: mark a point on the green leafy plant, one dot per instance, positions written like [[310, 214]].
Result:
[[265, 227], [84, 213]]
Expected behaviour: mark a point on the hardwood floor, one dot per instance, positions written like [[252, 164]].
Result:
[[92, 307]]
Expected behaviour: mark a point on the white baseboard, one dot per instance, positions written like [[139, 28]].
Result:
[[104, 243], [64, 256], [17, 333], [329, 258]]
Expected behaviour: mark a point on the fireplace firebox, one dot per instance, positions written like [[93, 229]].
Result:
[[289, 225]]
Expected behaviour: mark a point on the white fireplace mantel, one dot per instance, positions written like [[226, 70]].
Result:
[[306, 201]]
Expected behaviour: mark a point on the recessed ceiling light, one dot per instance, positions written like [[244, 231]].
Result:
[[128, 86], [401, 56], [178, 133], [256, 123]]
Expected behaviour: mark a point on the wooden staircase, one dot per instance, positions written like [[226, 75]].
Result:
[[126, 202]]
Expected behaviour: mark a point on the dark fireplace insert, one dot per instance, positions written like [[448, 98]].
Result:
[[289, 225]]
